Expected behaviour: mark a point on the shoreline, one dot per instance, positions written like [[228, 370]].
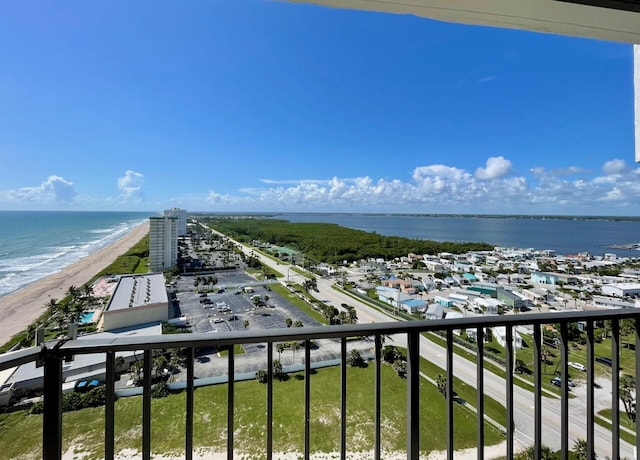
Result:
[[22, 307]]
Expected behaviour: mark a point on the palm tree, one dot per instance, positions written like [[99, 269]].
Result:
[[294, 346], [72, 291], [581, 450], [353, 315], [298, 323], [545, 453], [280, 348], [51, 305]]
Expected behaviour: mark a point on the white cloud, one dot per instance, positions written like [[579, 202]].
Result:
[[54, 189], [496, 167], [441, 188], [130, 185], [614, 167]]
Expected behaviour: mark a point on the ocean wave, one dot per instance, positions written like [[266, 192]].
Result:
[[18, 272]]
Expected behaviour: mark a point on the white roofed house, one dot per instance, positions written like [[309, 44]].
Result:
[[392, 296], [435, 311], [490, 306], [500, 335]]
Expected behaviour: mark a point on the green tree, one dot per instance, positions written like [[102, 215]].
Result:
[[310, 285], [441, 384], [355, 359], [294, 346], [277, 369], [627, 392], [288, 322], [545, 454], [280, 347], [261, 376], [245, 323], [581, 450]]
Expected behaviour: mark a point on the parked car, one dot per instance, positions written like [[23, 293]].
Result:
[[578, 366], [557, 381], [604, 360]]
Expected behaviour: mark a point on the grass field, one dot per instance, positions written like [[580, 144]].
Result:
[[84, 429]]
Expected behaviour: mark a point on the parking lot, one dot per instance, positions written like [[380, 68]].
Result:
[[227, 309]]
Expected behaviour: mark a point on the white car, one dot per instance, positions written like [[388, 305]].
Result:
[[577, 366]]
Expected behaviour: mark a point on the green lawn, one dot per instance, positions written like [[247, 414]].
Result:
[[298, 302], [624, 419], [19, 433]]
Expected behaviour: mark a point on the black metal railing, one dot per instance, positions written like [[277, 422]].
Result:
[[53, 355]]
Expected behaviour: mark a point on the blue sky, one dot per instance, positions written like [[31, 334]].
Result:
[[248, 105]]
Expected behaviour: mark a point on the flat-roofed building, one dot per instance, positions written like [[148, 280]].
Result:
[[138, 299], [163, 243], [181, 214], [621, 289]]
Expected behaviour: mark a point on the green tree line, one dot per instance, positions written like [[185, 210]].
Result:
[[332, 243]]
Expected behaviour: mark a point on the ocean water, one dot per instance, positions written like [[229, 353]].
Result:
[[563, 235], [34, 244]]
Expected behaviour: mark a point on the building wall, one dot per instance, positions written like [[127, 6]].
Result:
[[137, 315], [163, 243], [181, 214]]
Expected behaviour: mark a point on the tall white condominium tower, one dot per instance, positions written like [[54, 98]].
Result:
[[163, 243], [181, 214]]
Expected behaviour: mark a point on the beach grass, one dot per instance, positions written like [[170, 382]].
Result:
[[135, 260], [84, 429]]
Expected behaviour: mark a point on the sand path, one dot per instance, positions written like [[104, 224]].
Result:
[[21, 308]]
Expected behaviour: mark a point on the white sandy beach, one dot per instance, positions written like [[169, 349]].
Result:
[[21, 308]]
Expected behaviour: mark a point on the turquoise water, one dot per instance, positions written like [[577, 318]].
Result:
[[86, 317], [34, 244]]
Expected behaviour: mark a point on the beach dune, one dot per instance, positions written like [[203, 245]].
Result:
[[21, 308]]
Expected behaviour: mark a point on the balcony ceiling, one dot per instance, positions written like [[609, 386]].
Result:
[[612, 20]]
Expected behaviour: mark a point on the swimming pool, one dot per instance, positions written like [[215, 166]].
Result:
[[87, 317]]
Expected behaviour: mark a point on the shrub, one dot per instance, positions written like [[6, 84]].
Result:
[[355, 359], [160, 390]]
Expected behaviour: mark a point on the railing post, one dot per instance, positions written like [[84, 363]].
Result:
[[413, 395], [590, 392], [377, 408], [343, 398], [52, 419], [635, 409], [230, 401], [537, 394], [188, 441], [307, 399], [509, 396], [269, 400], [449, 395], [615, 388], [480, 392], [146, 406], [109, 406], [564, 389]]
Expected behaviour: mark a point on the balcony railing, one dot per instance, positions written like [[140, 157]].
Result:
[[53, 355]]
